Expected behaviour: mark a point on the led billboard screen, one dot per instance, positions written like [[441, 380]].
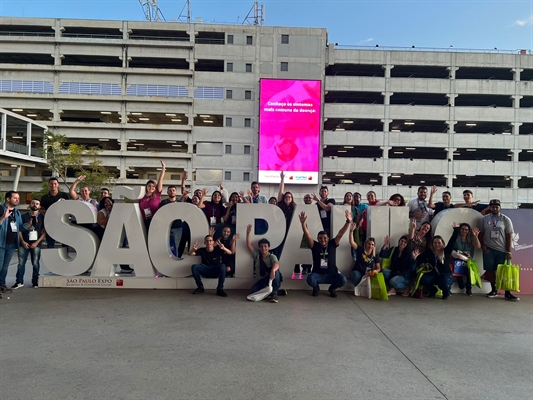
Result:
[[289, 130]]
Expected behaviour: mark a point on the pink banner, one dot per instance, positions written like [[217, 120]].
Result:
[[289, 130]]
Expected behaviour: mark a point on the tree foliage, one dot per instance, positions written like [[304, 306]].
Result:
[[62, 156]]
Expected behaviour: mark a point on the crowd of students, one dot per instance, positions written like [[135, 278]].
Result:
[[418, 257]]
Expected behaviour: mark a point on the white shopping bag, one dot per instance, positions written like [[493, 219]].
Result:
[[261, 294], [364, 289]]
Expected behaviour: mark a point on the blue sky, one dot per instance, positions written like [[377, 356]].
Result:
[[473, 24]]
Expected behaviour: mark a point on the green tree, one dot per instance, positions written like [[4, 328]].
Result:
[[62, 156]]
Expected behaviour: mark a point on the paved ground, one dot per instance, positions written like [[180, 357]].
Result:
[[169, 344]]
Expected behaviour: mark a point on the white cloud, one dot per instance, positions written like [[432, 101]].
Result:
[[524, 22], [366, 41]]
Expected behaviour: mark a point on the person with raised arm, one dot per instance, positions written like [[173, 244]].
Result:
[[366, 260], [266, 265], [149, 204], [211, 265], [254, 195], [324, 205], [434, 266], [441, 205], [402, 265], [85, 192], [324, 257]]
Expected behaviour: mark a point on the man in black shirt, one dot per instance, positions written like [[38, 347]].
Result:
[[324, 208], [441, 205], [30, 244], [324, 252], [53, 196], [211, 266]]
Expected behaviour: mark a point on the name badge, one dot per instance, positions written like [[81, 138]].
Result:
[[147, 212], [323, 214], [323, 263], [233, 220], [33, 236], [494, 234], [13, 227], [213, 221]]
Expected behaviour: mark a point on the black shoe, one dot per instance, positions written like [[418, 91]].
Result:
[[492, 294], [274, 297], [220, 292], [316, 292], [282, 292], [5, 289], [446, 296], [332, 292], [510, 297], [17, 285], [469, 291], [199, 289]]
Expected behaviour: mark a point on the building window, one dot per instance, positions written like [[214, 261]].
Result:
[[248, 95], [229, 94], [229, 122], [284, 66], [249, 40], [230, 39], [229, 67], [284, 39], [247, 150], [228, 149], [248, 67], [247, 122], [227, 175], [246, 176]]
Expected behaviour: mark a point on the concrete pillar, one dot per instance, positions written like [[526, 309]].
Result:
[[17, 178], [3, 134]]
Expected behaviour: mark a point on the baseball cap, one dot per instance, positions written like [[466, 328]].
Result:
[[495, 202]]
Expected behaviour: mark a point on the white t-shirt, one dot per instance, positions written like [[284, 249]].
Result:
[[419, 205]]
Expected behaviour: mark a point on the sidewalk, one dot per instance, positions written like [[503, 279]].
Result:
[[168, 344]]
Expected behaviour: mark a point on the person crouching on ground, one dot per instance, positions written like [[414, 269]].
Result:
[[324, 251], [266, 265], [211, 266]]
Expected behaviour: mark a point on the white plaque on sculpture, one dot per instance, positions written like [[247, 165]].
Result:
[[82, 240]]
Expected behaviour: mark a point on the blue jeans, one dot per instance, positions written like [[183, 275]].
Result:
[[209, 271], [356, 277], [263, 282], [6, 254], [335, 280], [35, 258], [397, 282], [443, 281]]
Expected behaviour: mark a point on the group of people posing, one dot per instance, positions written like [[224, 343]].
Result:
[[417, 257]]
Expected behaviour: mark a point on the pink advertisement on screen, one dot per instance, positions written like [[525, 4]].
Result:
[[289, 130]]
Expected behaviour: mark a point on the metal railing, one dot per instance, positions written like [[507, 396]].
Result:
[[433, 49]]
